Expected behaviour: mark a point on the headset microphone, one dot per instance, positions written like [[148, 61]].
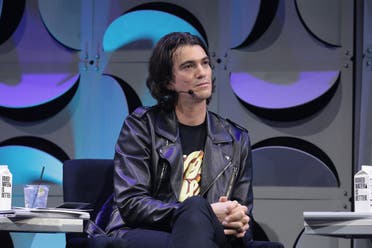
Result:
[[190, 92]]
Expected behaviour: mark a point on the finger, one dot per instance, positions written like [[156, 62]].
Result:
[[230, 232], [222, 199], [236, 207], [234, 232], [240, 235], [245, 209], [241, 208], [249, 218], [233, 205], [235, 216], [245, 220], [244, 228], [238, 226]]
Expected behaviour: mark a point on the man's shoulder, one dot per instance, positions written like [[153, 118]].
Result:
[[237, 126], [141, 111], [229, 123]]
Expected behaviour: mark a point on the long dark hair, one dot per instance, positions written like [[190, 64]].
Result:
[[161, 66]]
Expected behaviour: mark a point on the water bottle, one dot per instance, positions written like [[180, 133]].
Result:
[[6, 188]]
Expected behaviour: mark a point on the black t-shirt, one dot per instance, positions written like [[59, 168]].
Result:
[[192, 140], [192, 137]]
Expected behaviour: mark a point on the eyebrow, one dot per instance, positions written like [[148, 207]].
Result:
[[193, 61]]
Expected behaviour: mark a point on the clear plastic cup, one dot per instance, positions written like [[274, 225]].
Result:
[[36, 196]]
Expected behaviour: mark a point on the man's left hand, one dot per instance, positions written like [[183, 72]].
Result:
[[236, 222]]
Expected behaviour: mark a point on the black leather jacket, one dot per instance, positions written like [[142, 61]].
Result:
[[149, 166]]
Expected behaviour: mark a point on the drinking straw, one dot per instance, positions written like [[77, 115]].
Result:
[[38, 186]]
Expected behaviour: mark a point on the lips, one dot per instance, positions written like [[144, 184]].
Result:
[[202, 84]]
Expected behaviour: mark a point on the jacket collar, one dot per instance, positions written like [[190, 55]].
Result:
[[166, 125]]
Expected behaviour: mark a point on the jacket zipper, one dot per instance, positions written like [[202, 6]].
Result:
[[231, 182], [162, 173], [216, 178]]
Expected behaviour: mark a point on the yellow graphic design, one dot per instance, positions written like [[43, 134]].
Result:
[[191, 175]]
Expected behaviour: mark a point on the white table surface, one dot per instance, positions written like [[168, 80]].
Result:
[[338, 224], [43, 221]]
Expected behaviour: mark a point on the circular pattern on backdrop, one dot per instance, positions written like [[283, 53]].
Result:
[[322, 19], [11, 12], [283, 156], [26, 156], [37, 96], [284, 96], [96, 107], [145, 25], [131, 96], [174, 10], [64, 29], [249, 19]]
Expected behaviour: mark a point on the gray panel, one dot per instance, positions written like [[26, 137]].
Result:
[[363, 71], [311, 241], [286, 166], [288, 46], [322, 19], [365, 90], [284, 221]]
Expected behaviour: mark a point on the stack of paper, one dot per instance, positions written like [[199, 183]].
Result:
[[51, 213]]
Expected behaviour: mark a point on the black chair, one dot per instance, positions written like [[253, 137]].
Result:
[[89, 181]]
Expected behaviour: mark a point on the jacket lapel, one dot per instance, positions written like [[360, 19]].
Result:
[[170, 149], [217, 150], [166, 125]]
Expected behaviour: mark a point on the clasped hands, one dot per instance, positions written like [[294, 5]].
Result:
[[232, 215]]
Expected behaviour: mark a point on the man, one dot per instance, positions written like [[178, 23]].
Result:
[[183, 175]]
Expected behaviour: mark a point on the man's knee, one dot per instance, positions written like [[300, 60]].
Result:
[[194, 208], [195, 202]]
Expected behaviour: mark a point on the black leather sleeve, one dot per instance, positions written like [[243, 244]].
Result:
[[134, 175]]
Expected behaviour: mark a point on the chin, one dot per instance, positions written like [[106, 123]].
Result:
[[206, 96]]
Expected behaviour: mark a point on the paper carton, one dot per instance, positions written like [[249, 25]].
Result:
[[363, 189]]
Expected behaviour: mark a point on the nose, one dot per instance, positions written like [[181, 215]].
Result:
[[201, 70]]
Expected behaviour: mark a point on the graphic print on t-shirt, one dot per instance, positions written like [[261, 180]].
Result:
[[191, 175]]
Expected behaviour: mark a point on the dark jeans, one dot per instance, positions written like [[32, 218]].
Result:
[[194, 225]]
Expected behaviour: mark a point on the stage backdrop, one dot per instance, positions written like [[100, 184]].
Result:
[[286, 70]]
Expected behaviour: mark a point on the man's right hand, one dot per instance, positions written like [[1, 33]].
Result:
[[232, 215], [223, 208]]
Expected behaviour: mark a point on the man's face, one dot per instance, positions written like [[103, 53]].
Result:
[[191, 71]]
